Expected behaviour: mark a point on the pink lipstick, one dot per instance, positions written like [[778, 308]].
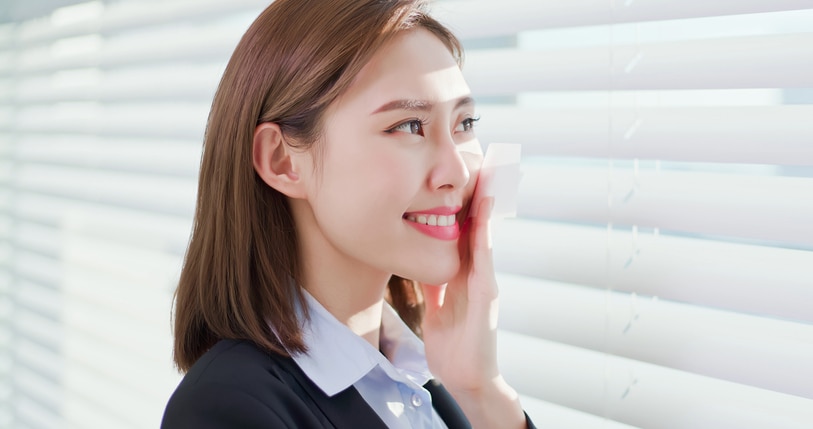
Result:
[[439, 222]]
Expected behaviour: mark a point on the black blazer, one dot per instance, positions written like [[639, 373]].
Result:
[[237, 385]]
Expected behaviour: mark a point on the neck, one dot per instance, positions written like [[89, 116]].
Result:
[[356, 304], [351, 291]]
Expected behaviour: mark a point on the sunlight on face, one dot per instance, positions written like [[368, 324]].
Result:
[[400, 162]]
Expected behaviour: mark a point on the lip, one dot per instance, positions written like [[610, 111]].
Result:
[[441, 211], [449, 232]]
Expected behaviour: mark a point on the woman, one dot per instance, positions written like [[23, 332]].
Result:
[[339, 161]]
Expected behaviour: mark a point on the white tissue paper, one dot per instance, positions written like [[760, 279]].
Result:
[[499, 178]]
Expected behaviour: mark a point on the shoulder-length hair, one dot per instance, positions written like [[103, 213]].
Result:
[[241, 273]]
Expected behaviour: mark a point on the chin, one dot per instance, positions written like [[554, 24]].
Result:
[[435, 273]]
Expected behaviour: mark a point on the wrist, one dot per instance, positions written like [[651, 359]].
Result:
[[492, 405]]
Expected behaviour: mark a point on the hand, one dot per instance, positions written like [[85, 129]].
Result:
[[460, 324], [460, 331]]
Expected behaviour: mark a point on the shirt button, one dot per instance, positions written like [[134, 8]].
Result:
[[416, 400]]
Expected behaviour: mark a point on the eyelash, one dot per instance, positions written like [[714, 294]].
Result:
[[468, 125], [421, 123]]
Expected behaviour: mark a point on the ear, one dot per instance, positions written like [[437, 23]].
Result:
[[276, 162]]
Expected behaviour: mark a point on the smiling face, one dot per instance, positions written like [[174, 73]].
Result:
[[396, 166]]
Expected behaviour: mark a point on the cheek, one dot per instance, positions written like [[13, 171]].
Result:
[[383, 176], [361, 185]]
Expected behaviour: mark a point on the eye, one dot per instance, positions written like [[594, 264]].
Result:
[[414, 126], [466, 125]]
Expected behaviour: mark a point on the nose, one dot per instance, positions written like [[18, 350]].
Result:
[[450, 170]]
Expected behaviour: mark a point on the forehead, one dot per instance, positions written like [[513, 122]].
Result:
[[415, 65]]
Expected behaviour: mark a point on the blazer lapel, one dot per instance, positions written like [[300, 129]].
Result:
[[346, 409], [446, 407]]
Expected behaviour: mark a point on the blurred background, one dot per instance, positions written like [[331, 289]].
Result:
[[659, 273]]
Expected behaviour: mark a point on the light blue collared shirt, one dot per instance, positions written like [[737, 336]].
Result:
[[393, 386]]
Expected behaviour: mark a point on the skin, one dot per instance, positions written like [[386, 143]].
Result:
[[378, 161]]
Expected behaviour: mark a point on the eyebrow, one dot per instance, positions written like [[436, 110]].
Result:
[[418, 105]]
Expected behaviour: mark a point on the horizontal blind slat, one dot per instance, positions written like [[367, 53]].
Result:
[[680, 336], [175, 120], [621, 388], [47, 362], [123, 16], [29, 409], [32, 269], [157, 379], [174, 82], [173, 157], [757, 207], [466, 17], [140, 228], [557, 416], [760, 280], [778, 135], [36, 328], [169, 195], [772, 61], [157, 47]]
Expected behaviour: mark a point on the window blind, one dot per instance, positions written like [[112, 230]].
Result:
[[102, 111], [660, 271], [659, 274]]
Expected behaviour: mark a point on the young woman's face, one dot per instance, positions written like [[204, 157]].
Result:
[[399, 162]]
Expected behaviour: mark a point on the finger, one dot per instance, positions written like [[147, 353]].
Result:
[[433, 297], [482, 261], [464, 242], [481, 230], [484, 179]]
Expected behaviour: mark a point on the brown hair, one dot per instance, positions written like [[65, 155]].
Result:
[[241, 270]]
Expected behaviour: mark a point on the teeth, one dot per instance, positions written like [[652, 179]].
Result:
[[433, 220]]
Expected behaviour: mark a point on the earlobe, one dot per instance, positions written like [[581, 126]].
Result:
[[275, 161]]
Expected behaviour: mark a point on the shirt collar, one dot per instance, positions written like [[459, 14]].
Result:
[[337, 357]]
